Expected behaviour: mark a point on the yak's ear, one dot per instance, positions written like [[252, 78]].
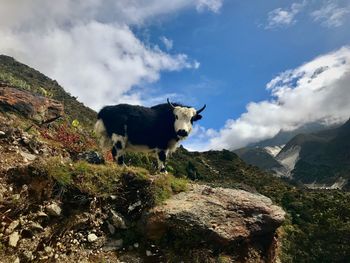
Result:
[[197, 117]]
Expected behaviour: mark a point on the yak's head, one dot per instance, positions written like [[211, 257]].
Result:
[[184, 118]]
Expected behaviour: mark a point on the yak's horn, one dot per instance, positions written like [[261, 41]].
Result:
[[170, 103], [202, 109]]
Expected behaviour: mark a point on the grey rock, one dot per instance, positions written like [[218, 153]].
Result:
[[133, 206], [37, 108], [48, 249], [111, 228], [41, 214], [28, 255], [14, 224], [28, 156], [35, 226], [91, 157], [113, 244], [53, 209], [218, 215], [13, 239], [92, 238], [117, 220]]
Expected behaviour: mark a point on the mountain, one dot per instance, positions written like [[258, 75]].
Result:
[[324, 157], [263, 154], [262, 157], [318, 159], [282, 137], [61, 200]]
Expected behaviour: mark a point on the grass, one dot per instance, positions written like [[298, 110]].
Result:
[[104, 180], [166, 185]]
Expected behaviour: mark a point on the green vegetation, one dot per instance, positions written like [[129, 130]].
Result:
[[95, 180], [318, 225], [166, 185], [105, 180]]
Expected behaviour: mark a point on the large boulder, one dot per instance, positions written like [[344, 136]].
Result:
[[216, 217], [35, 107]]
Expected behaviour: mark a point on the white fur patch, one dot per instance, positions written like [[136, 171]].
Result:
[[101, 133], [183, 116], [138, 148], [118, 138]]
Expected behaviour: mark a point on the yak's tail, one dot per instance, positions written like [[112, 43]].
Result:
[[106, 143]]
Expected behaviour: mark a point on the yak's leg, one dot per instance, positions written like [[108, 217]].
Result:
[[162, 156], [118, 154], [118, 149], [114, 153]]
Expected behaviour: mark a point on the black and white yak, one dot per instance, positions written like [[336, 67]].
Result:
[[158, 129]]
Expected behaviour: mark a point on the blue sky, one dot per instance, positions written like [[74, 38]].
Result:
[[222, 53], [238, 56]]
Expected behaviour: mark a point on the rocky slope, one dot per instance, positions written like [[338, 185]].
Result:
[[61, 201]]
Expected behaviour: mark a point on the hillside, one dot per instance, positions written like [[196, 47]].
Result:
[[62, 201], [23, 77]]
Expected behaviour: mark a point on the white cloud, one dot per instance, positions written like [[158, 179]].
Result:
[[199, 137], [316, 91], [168, 43], [212, 5], [283, 17], [331, 15], [88, 46]]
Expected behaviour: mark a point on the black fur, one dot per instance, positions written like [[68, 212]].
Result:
[[119, 145], [162, 156], [153, 127], [114, 152], [121, 160]]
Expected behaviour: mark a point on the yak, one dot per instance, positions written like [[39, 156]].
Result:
[[157, 129]]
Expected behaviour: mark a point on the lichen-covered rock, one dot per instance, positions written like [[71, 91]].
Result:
[[35, 107], [216, 217]]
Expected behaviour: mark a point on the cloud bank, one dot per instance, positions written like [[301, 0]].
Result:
[[318, 90], [88, 45]]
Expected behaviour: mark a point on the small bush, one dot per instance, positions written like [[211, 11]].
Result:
[[71, 138]]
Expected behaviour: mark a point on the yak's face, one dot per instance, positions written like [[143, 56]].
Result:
[[184, 118]]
